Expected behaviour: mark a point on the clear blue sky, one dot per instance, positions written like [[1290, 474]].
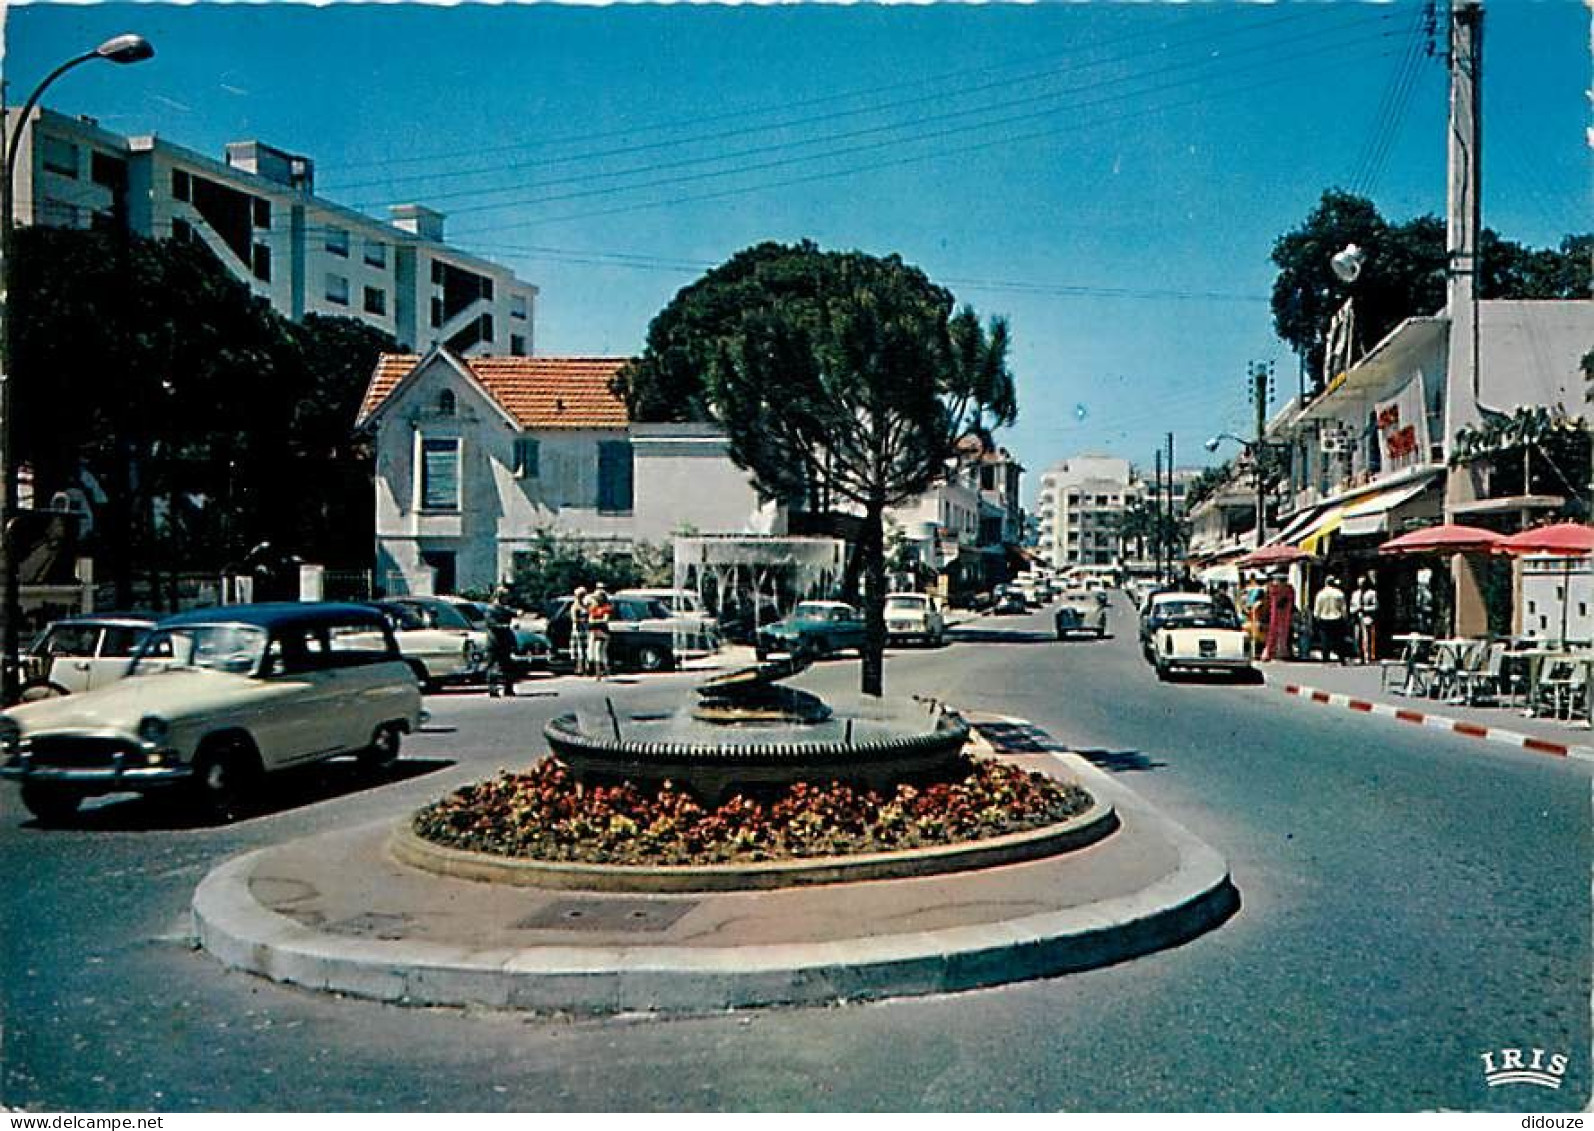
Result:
[[1109, 176]]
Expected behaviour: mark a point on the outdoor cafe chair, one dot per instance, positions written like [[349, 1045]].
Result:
[[1485, 675], [1561, 681]]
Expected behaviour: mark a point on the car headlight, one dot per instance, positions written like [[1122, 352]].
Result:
[[153, 730]]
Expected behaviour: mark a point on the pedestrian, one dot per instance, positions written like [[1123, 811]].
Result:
[[579, 636], [500, 657], [1253, 605], [1280, 618], [1328, 612], [1364, 612], [599, 613]]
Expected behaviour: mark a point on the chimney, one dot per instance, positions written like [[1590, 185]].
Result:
[[419, 220]]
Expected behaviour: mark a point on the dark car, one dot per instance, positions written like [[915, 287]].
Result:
[[814, 629], [640, 636], [1010, 601], [529, 650]]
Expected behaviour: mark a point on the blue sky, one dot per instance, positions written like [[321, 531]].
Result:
[[1109, 176]]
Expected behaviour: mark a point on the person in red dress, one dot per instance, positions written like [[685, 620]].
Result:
[[1280, 618]]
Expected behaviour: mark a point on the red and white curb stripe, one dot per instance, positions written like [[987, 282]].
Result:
[[1439, 722]]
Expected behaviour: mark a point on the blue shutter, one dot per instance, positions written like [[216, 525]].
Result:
[[440, 475], [615, 491]]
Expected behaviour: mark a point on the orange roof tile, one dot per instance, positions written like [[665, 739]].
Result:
[[538, 392]]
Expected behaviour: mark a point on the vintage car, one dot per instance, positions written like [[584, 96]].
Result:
[[438, 639], [530, 649], [81, 653], [1194, 633], [814, 629], [641, 635], [913, 616], [1081, 610], [216, 698], [1010, 601], [693, 631]]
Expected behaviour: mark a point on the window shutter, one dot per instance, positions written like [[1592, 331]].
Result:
[[440, 475], [615, 490]]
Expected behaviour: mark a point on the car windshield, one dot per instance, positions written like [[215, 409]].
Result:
[[1183, 610], [474, 615], [235, 648], [403, 617], [906, 604], [808, 610]]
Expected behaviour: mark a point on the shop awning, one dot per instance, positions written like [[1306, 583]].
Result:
[[1371, 515], [1311, 538], [1291, 534]]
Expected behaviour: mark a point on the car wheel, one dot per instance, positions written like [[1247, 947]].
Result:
[[1163, 673], [52, 805], [1101, 631], [384, 748], [224, 776], [820, 648], [40, 689], [652, 658]]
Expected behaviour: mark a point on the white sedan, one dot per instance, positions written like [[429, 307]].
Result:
[[913, 616], [1193, 633]]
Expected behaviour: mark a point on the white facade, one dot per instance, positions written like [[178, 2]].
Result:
[[258, 214], [467, 476], [1082, 502]]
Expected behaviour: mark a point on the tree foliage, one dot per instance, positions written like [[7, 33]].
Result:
[[1404, 274], [840, 378], [211, 423]]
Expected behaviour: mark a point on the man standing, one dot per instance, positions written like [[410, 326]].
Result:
[[1328, 611], [1364, 612]]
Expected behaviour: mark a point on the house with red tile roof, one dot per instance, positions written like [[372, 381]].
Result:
[[476, 457]]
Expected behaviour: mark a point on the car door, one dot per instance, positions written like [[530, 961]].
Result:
[[117, 644], [297, 704], [70, 650]]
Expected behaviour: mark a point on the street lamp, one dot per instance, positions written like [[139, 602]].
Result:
[[120, 49], [1255, 449]]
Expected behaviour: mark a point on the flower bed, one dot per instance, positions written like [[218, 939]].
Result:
[[545, 814]]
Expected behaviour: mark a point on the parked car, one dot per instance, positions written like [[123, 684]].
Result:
[[216, 698], [1196, 634], [814, 629], [641, 635], [1081, 610], [531, 649], [81, 653], [693, 631], [1168, 607], [438, 640], [1010, 601], [914, 616]]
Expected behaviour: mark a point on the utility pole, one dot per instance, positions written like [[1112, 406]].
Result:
[[1259, 379], [1172, 519], [1156, 512]]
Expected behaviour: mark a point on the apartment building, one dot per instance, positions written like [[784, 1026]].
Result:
[[257, 212], [1082, 502]]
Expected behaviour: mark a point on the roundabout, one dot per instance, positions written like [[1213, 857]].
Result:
[[368, 913]]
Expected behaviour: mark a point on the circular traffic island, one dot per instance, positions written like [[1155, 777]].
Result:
[[544, 827]]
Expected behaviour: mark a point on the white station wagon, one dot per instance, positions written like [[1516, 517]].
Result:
[[215, 699]]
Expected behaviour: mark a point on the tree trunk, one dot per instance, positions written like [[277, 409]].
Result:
[[871, 547]]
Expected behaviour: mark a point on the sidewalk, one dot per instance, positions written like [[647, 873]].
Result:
[[1356, 687]]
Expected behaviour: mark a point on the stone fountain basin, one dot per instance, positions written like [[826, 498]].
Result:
[[867, 744]]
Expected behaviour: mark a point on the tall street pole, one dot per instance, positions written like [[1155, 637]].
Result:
[[1172, 517], [1156, 512], [1259, 400], [119, 49]]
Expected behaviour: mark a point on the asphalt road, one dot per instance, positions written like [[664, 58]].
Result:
[[1411, 900]]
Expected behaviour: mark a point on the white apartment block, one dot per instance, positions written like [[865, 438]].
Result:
[[1082, 501], [258, 213]]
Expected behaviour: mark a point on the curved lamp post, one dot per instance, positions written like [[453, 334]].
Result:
[[118, 49], [1253, 449]]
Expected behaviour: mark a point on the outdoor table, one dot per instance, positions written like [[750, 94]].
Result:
[[1456, 650], [1415, 644]]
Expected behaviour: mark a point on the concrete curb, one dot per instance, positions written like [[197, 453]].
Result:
[[1065, 836], [1439, 722], [1196, 896]]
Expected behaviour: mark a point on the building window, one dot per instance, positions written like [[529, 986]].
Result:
[[182, 231], [446, 405], [437, 273], [182, 186], [487, 289], [517, 345], [59, 156], [614, 477], [440, 475], [338, 242], [376, 254], [437, 312], [376, 301], [518, 306], [262, 213], [528, 458], [338, 290], [486, 331], [261, 257]]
